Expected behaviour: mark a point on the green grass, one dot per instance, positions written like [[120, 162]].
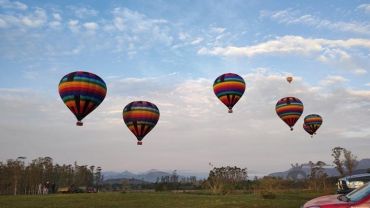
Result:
[[157, 200]]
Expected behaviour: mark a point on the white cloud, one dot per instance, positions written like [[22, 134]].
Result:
[[197, 41], [57, 17], [333, 79], [183, 36], [365, 8], [37, 19], [9, 20], [217, 29], [136, 31], [286, 44], [83, 12], [74, 25], [91, 26], [325, 50], [290, 16], [360, 71], [119, 23], [13, 5], [54, 24], [135, 21], [3, 23]]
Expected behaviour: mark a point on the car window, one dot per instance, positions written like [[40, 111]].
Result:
[[364, 179], [359, 193]]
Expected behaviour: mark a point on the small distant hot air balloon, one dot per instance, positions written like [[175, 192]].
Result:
[[289, 109], [140, 117], [229, 88], [311, 123], [289, 79], [82, 92]]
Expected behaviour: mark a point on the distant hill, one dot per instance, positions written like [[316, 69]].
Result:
[[362, 167], [149, 176], [115, 175], [131, 181], [364, 164], [152, 175]]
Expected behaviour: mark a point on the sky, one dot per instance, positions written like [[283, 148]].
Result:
[[170, 53]]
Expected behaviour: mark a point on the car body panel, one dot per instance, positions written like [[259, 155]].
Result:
[[329, 200], [360, 199]]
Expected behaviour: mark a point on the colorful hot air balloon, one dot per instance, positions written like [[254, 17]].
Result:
[[289, 79], [289, 109], [82, 92], [312, 122], [229, 88], [308, 129], [140, 117]]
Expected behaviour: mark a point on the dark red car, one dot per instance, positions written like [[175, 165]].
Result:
[[359, 198]]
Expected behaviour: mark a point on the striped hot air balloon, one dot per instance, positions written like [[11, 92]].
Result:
[[82, 92], [312, 122], [229, 88], [140, 117], [308, 129], [289, 109]]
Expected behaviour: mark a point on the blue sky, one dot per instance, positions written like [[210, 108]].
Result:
[[170, 52]]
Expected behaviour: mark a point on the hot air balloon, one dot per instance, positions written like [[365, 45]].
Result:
[[289, 79], [140, 117], [82, 92], [308, 129], [312, 122], [289, 109], [229, 88]]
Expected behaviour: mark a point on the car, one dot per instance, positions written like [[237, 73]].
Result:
[[358, 198], [349, 183]]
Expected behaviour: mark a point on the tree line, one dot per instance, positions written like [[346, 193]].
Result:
[[42, 176], [224, 180]]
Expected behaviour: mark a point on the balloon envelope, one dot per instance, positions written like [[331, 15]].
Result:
[[308, 129], [140, 117], [289, 79], [82, 92], [312, 123], [289, 109], [229, 88]]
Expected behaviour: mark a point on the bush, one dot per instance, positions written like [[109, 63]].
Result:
[[268, 195]]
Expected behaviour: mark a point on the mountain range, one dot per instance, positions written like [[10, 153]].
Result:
[[149, 176], [153, 174], [362, 167]]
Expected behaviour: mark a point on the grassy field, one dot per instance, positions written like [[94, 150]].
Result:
[[157, 200]]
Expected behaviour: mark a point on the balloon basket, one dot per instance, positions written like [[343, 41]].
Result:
[[291, 128], [79, 123], [139, 143], [230, 110]]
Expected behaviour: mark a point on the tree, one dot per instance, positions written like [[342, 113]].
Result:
[[317, 177], [347, 163], [223, 180], [350, 161], [18, 178], [339, 164], [296, 172]]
